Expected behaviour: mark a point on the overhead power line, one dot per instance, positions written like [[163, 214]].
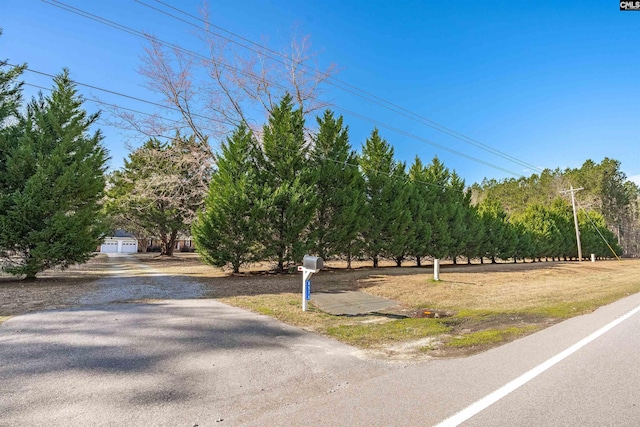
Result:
[[598, 230], [136, 33], [107, 104], [124, 95], [346, 163], [334, 81]]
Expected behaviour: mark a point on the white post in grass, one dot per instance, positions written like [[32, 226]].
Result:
[[436, 269]]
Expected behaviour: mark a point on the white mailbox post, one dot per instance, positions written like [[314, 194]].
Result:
[[310, 265]]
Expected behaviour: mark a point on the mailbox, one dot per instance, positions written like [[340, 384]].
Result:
[[312, 263]]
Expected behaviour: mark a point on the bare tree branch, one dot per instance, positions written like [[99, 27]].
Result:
[[232, 84]]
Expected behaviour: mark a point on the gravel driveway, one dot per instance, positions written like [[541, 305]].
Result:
[[133, 280]]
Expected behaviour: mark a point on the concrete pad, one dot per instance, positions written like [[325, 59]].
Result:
[[350, 302]]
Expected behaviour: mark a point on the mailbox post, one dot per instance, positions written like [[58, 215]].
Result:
[[310, 265]]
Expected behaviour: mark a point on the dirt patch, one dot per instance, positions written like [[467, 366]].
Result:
[[53, 289]]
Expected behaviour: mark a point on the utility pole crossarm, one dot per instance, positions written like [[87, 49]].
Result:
[[575, 217]]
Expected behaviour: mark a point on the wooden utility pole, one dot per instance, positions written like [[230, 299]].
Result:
[[575, 217]]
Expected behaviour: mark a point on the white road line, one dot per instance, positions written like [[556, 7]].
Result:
[[508, 388]]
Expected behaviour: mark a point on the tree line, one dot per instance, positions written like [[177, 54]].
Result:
[[285, 195], [605, 190], [274, 197]]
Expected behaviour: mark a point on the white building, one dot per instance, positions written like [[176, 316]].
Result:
[[120, 243]]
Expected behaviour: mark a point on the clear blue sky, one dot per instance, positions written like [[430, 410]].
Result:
[[550, 82]]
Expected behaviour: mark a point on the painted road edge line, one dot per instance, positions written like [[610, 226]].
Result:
[[511, 386]]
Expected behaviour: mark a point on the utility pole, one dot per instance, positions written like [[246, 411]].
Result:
[[575, 217]]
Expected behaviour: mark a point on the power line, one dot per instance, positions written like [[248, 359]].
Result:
[[96, 101], [136, 33], [112, 92], [346, 163], [375, 122], [598, 230], [347, 87]]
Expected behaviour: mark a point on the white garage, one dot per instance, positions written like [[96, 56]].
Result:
[[124, 245]]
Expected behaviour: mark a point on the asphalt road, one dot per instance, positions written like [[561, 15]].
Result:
[[173, 363], [199, 362]]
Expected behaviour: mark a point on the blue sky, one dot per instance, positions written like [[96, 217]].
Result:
[[552, 83]]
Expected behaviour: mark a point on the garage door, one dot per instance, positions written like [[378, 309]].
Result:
[[109, 247], [129, 247]]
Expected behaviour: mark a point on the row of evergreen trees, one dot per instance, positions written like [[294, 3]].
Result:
[[284, 196]]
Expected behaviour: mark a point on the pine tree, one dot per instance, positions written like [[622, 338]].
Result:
[[53, 180], [288, 185], [476, 233], [500, 238], [420, 204], [458, 203], [339, 187], [388, 217], [227, 231], [440, 211]]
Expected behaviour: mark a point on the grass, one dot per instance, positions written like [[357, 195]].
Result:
[[369, 334], [493, 303], [490, 337], [287, 308]]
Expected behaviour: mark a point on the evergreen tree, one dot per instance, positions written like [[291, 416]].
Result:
[[440, 210], [52, 182], [401, 243], [10, 102], [385, 232], [595, 237], [288, 185], [476, 234], [339, 189], [524, 246], [458, 202], [227, 231], [562, 214], [420, 204], [500, 238], [539, 222]]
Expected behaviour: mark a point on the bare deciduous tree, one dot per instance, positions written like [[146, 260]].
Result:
[[235, 82]]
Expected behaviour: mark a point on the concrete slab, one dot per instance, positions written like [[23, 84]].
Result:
[[350, 302]]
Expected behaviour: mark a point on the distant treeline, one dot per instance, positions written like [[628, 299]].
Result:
[[606, 193], [288, 194]]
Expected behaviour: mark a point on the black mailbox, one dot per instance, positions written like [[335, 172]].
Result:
[[312, 262]]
